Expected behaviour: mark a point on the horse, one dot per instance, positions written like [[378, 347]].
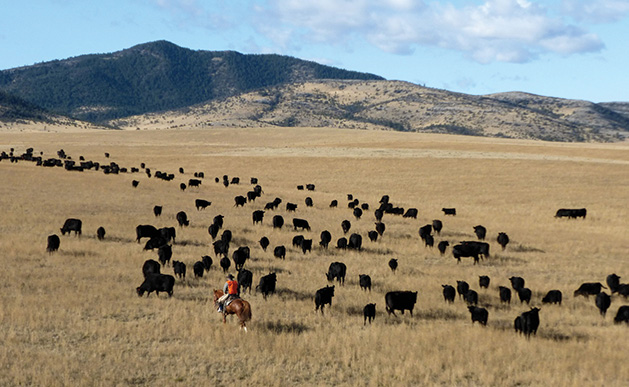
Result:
[[239, 307]]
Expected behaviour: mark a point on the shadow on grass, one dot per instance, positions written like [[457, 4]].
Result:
[[288, 294], [281, 328], [520, 248]]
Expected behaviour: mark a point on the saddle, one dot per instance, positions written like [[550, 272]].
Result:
[[230, 299]]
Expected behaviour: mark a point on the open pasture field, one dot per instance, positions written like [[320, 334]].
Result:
[[74, 318]]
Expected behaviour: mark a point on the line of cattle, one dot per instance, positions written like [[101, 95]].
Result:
[[161, 239]]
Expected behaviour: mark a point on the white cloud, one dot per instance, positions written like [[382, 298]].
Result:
[[601, 11]]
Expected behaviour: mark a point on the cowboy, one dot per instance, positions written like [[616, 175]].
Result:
[[231, 291]]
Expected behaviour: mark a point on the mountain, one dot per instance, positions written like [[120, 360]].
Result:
[[400, 106], [154, 77]]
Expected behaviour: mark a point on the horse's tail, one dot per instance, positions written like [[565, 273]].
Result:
[[246, 311]]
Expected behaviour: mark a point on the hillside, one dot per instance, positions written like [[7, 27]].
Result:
[[400, 106], [153, 77]]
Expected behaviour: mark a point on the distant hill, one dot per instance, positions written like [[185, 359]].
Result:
[[154, 77], [393, 105]]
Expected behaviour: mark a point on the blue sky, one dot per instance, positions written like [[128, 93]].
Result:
[[561, 48]]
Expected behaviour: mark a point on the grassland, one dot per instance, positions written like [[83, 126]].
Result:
[[73, 318]]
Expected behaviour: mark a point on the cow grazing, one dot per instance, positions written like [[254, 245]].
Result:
[[336, 271], [524, 294], [622, 315], [503, 240], [300, 223], [553, 297], [310, 187], [346, 226], [425, 231], [213, 230], [323, 296], [341, 243], [198, 268], [517, 282], [528, 322], [357, 213], [480, 232], [483, 281], [571, 213], [180, 269], [235, 180], [478, 314], [589, 289], [100, 233], [182, 186], [326, 238], [505, 294], [306, 245], [257, 216], [245, 280], [373, 235], [369, 313], [364, 280], [240, 201], [483, 247], [279, 252], [264, 243], [164, 254], [603, 301], [449, 293], [437, 225], [400, 300], [150, 266], [168, 233], [156, 283], [378, 214], [267, 284], [207, 262], [309, 202], [225, 264], [155, 243], [393, 264], [226, 236], [465, 250], [613, 282], [218, 221], [623, 290], [429, 241], [334, 203], [72, 224], [297, 240], [252, 195], [157, 211], [462, 288], [291, 207], [442, 246], [355, 242], [202, 204], [240, 256], [53, 243], [380, 228], [182, 219], [410, 213], [278, 221], [471, 297], [449, 211]]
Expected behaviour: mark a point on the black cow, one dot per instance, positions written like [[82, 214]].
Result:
[[279, 252], [226, 236], [182, 219], [245, 280], [157, 283], [424, 231], [483, 247], [337, 271], [571, 213], [503, 239], [393, 264], [180, 269], [135, 183], [517, 282], [297, 240], [357, 213], [264, 243], [462, 288], [270, 206], [553, 297], [225, 264], [157, 211], [341, 243], [300, 223], [326, 238], [524, 294], [324, 296], [613, 281], [623, 290], [465, 250], [306, 245], [373, 235], [429, 241], [442, 246], [334, 203], [346, 226], [449, 211], [278, 221], [528, 322], [240, 256], [483, 281], [471, 297], [291, 207], [252, 195], [155, 243], [310, 187], [364, 206], [257, 216], [480, 232], [437, 225], [202, 204], [53, 243], [505, 294], [240, 201], [194, 182], [355, 242], [267, 284], [164, 253], [449, 293], [309, 202], [378, 213], [72, 224], [218, 220], [622, 315], [589, 288], [100, 233], [207, 262], [380, 228], [364, 280], [168, 233], [213, 230], [182, 186], [603, 301], [400, 300], [384, 199], [410, 213], [478, 314], [198, 269], [150, 266], [369, 313]]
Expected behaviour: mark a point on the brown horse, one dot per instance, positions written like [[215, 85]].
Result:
[[239, 307]]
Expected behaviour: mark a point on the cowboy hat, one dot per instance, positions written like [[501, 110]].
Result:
[[229, 276]]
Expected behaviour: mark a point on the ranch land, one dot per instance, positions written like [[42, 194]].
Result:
[[73, 317]]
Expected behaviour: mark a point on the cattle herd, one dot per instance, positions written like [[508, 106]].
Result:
[[163, 240]]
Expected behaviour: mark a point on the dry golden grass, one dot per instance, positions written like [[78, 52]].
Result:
[[73, 318]]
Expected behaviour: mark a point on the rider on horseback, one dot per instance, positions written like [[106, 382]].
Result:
[[231, 290]]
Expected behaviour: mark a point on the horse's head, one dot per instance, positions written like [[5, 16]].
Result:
[[217, 294]]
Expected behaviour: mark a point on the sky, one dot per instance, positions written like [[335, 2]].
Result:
[[576, 49]]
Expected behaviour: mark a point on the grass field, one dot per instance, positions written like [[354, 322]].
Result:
[[74, 318]]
